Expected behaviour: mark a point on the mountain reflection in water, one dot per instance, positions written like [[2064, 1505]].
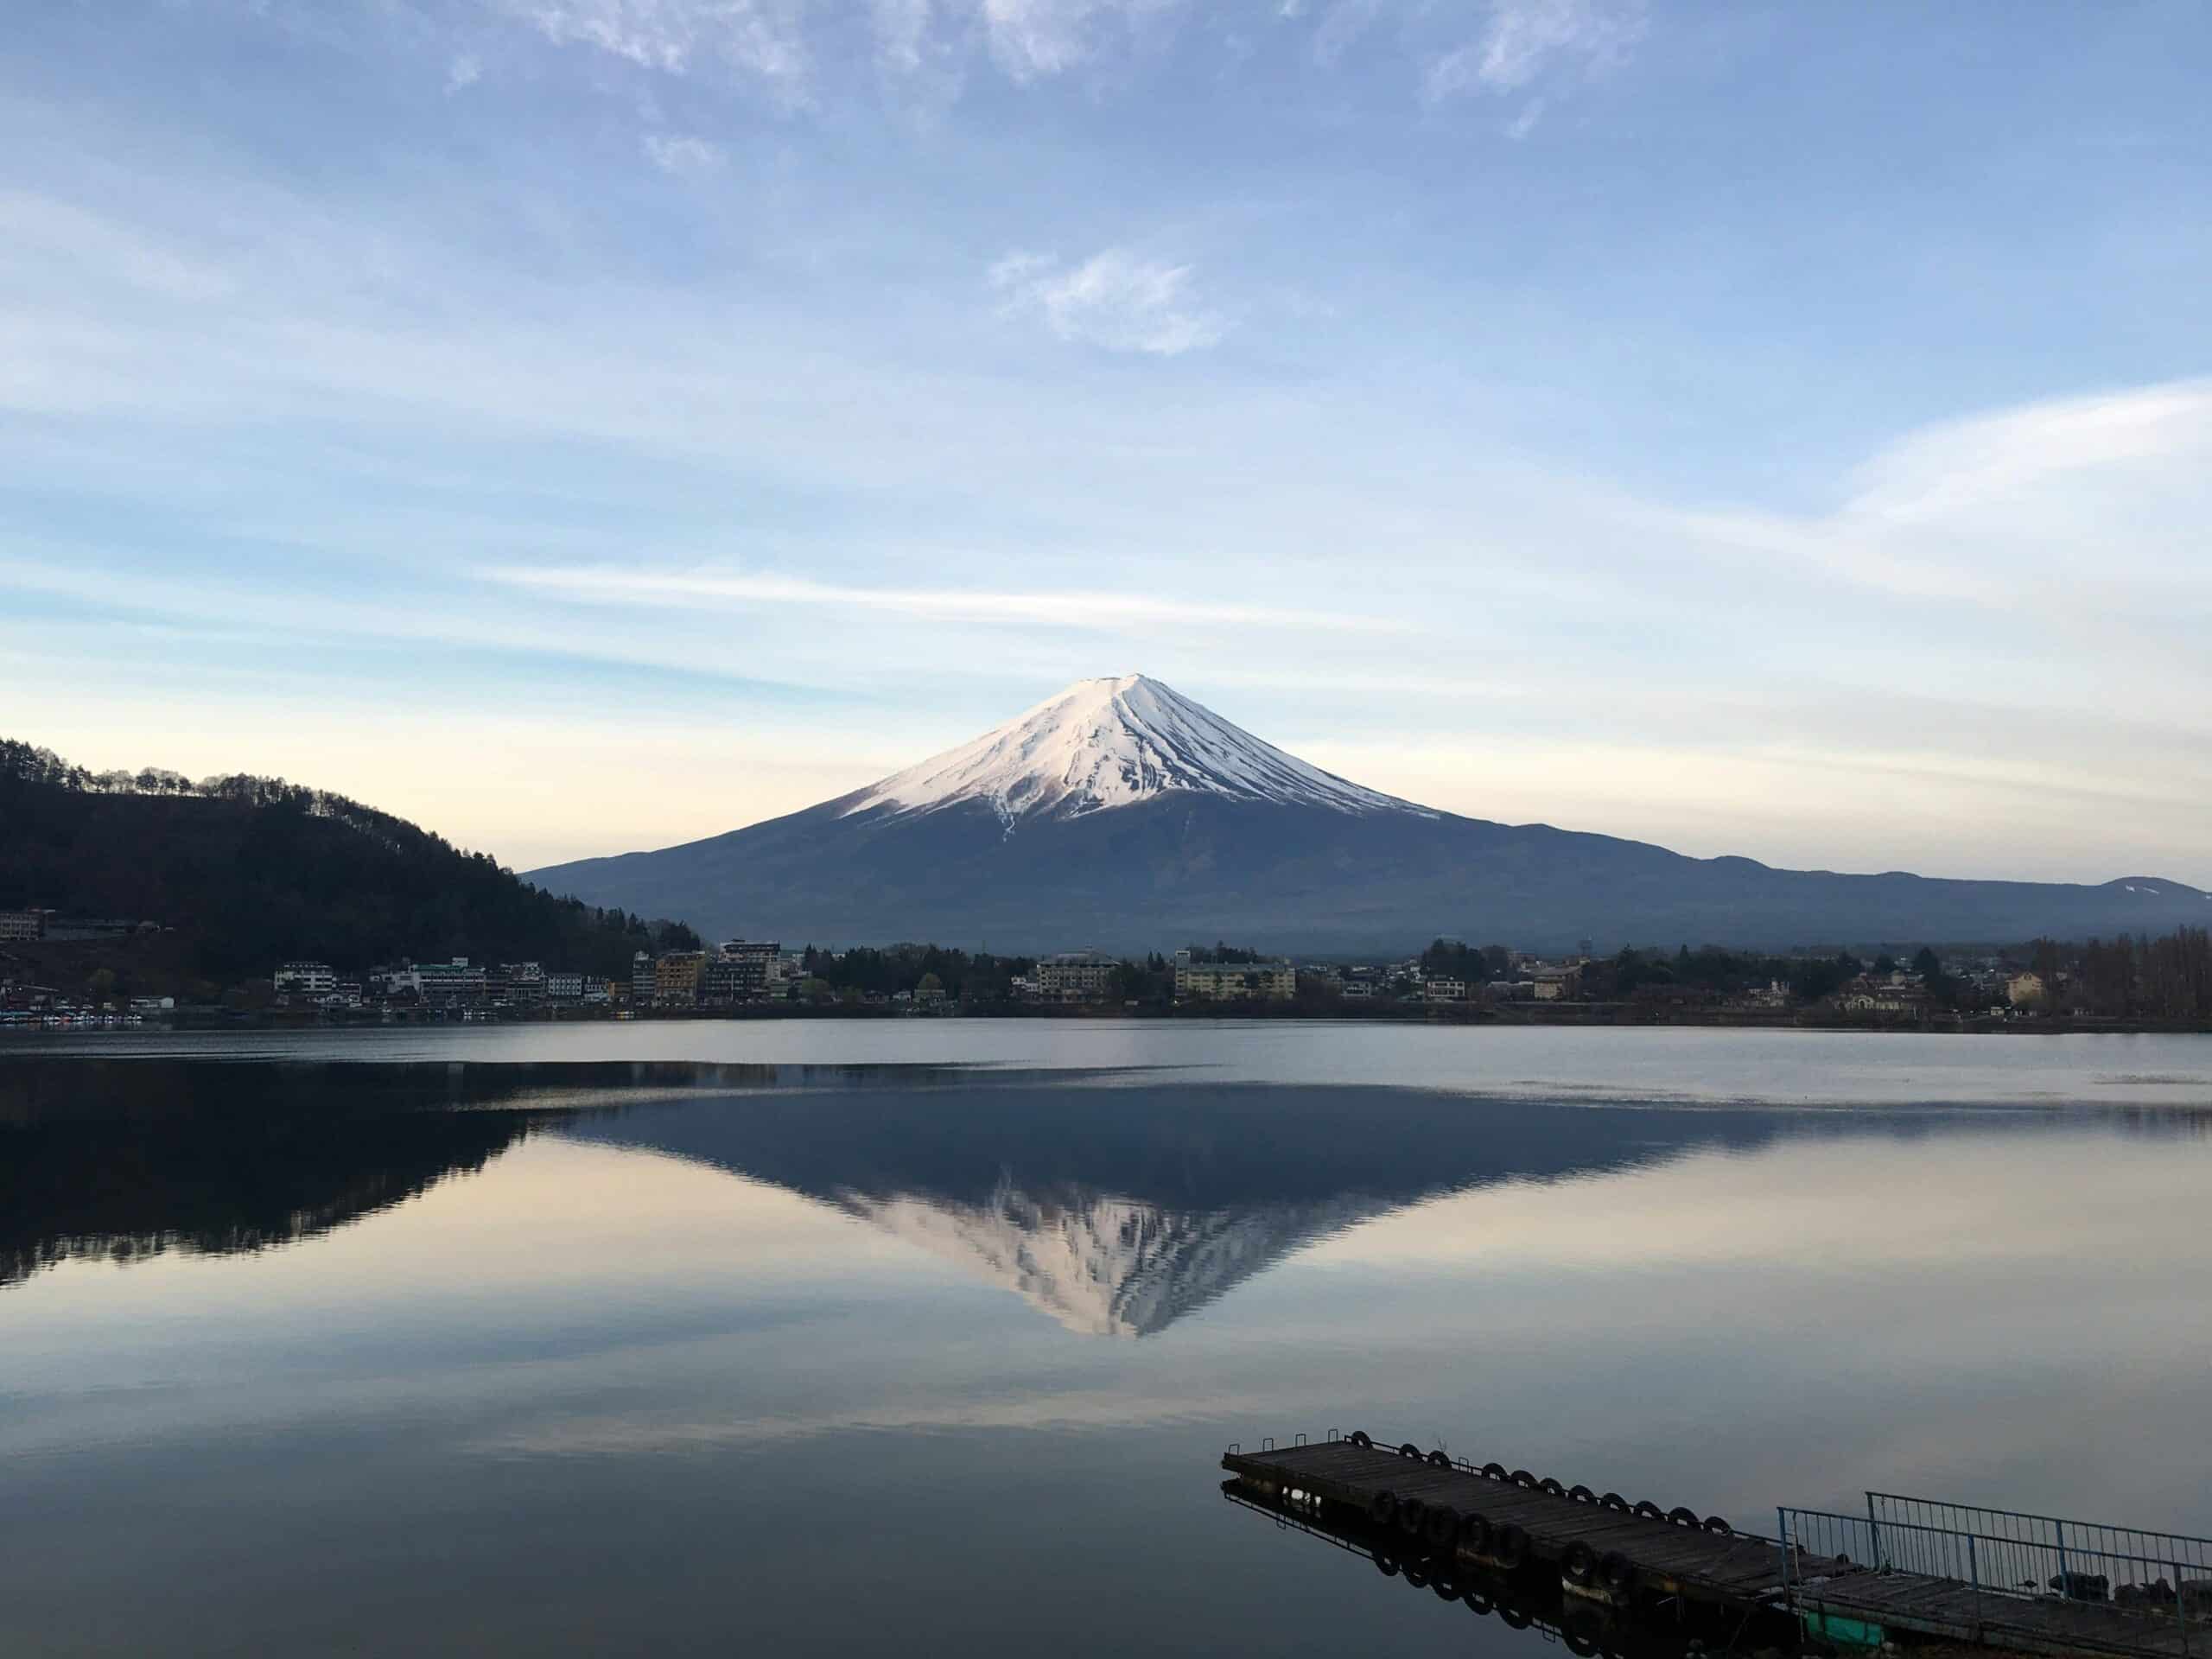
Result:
[[1115, 1208], [632, 1358], [1118, 1210]]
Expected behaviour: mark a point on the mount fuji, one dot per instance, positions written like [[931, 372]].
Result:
[[1123, 815]]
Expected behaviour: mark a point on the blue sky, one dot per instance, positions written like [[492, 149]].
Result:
[[584, 424]]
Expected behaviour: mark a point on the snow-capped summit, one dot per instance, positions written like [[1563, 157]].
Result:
[[1113, 742], [1122, 816]]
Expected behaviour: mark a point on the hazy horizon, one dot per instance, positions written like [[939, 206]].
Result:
[[582, 426]]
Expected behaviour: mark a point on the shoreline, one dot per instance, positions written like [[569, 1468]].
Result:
[[1570, 1016]]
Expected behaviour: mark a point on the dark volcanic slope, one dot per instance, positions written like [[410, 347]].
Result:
[[1185, 866]]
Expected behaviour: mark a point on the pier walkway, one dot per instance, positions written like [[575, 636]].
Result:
[[1936, 1576]]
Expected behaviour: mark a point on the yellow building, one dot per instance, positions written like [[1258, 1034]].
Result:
[[676, 978], [1233, 981]]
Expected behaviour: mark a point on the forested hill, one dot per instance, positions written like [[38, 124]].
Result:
[[251, 871]]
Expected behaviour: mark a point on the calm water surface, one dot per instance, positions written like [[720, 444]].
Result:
[[927, 1335]]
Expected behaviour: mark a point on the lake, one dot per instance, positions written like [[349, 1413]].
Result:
[[928, 1335]]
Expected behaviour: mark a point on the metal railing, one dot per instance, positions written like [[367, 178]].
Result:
[[2086, 1561], [2008, 1557]]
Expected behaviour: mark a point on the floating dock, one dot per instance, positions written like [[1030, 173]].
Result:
[[1992, 1578]]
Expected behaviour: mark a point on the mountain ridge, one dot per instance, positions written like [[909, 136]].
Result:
[[243, 873], [1119, 814]]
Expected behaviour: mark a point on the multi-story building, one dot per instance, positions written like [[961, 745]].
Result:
[[450, 983], [20, 926], [743, 971], [1234, 982], [1441, 989], [641, 979], [1076, 977], [676, 978], [305, 979]]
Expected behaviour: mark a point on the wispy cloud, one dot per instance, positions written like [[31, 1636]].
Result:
[[682, 154], [1524, 42], [765, 42], [2009, 511], [1033, 39], [1113, 300], [922, 50], [464, 71], [1028, 40], [1074, 609], [84, 249], [1340, 25], [903, 42]]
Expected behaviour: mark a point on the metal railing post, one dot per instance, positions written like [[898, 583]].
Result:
[[1873, 1536], [1788, 1576], [2181, 1608], [2065, 1583], [1973, 1567]]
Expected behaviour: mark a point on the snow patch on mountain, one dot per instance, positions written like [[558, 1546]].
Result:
[[1101, 1265], [1108, 743]]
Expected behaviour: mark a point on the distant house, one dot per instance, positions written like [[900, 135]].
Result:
[[2026, 991], [1886, 997], [1557, 984], [1441, 989], [85, 928]]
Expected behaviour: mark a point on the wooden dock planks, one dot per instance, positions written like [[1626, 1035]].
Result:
[[1715, 1567], [1677, 1557]]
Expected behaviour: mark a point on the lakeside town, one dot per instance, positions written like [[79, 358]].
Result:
[[2043, 984]]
